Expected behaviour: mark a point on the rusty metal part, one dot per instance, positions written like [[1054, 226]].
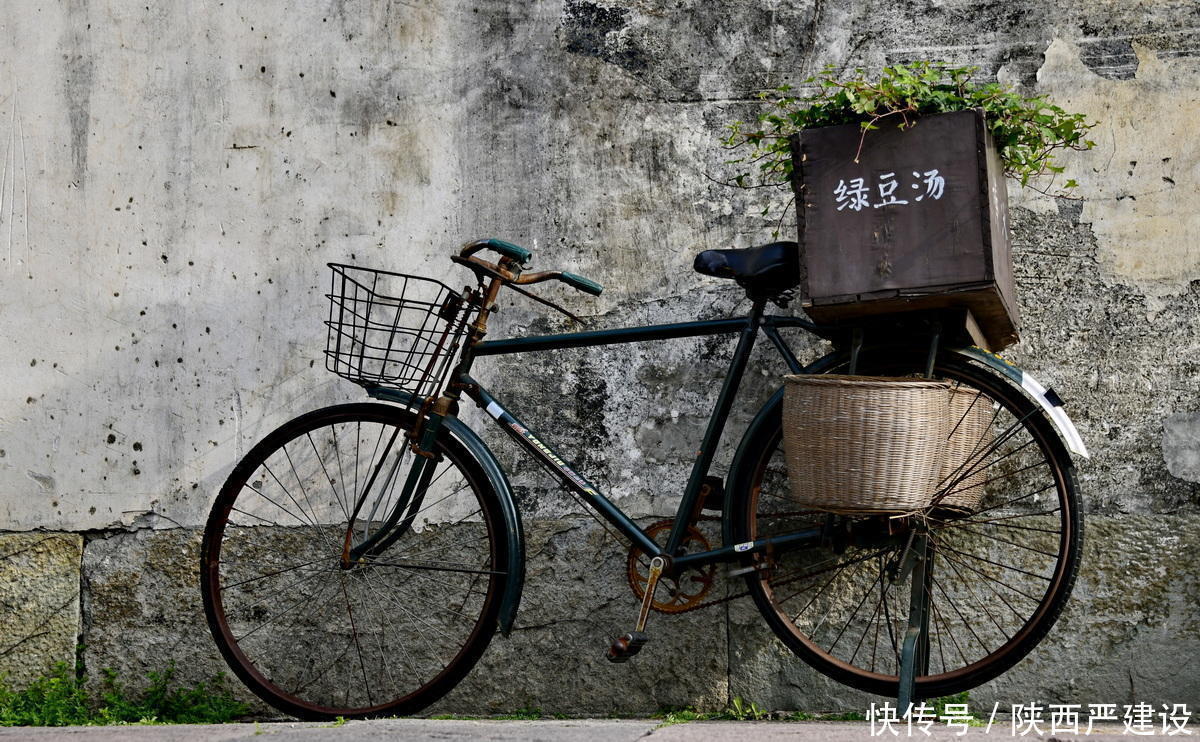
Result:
[[763, 562], [657, 564], [538, 277], [712, 497], [547, 302], [484, 268], [682, 592], [500, 275]]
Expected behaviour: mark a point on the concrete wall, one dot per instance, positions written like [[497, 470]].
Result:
[[175, 178]]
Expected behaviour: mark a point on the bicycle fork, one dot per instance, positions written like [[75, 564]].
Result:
[[412, 495]]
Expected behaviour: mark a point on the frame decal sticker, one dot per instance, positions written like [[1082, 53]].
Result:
[[547, 454]]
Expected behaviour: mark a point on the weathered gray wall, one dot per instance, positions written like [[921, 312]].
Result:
[[175, 178]]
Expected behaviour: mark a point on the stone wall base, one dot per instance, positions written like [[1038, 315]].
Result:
[[1130, 633]]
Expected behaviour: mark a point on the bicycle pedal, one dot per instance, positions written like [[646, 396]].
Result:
[[627, 646]]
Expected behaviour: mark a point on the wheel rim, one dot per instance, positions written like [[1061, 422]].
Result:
[[315, 638], [1000, 573]]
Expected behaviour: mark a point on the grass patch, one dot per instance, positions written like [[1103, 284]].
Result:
[[681, 716], [60, 699], [740, 710], [963, 703]]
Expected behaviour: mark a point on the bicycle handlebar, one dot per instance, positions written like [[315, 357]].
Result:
[[521, 256]]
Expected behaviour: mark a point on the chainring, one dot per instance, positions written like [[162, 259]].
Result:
[[674, 595]]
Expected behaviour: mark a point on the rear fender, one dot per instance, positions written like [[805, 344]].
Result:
[[1046, 398]]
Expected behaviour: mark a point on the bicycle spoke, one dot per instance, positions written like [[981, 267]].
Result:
[[259, 517], [357, 453], [417, 618], [443, 609], [965, 565], [994, 563], [300, 687], [1006, 475], [970, 626], [1021, 498], [276, 573], [994, 537], [299, 521], [321, 460], [793, 578], [357, 647], [464, 569], [871, 619], [304, 493], [435, 550], [296, 603], [387, 595], [941, 633], [953, 635], [978, 601], [281, 589]]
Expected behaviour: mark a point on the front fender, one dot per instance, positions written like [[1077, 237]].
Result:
[[514, 532]]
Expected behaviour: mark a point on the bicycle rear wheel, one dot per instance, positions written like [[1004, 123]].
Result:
[[1001, 569], [318, 635]]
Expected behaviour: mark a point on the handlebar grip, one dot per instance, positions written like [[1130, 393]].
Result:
[[583, 284], [509, 250]]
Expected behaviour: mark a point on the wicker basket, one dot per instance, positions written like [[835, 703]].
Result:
[[968, 448], [864, 443]]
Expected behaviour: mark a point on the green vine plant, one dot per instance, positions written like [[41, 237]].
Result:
[[1029, 131]]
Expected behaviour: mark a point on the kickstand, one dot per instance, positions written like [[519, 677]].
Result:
[[916, 640]]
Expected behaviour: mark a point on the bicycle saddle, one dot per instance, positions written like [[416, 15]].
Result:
[[765, 271]]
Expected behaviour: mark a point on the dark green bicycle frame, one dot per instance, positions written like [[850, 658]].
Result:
[[746, 328]]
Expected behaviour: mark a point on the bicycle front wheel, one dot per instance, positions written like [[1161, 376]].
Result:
[[318, 634], [1001, 562]]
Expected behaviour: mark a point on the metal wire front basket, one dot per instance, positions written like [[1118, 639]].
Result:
[[392, 329]]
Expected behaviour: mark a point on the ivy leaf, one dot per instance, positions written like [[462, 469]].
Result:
[[1027, 131]]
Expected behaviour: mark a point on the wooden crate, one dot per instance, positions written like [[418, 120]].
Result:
[[918, 222]]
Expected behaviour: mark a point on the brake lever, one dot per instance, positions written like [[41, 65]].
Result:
[[511, 280], [547, 302]]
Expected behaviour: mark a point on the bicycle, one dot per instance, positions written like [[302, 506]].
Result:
[[359, 559]]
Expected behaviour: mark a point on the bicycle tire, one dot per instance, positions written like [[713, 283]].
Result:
[[387, 636], [1002, 573]]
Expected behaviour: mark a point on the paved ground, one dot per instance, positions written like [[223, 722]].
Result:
[[574, 730]]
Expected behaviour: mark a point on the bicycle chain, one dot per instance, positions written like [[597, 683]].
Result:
[[700, 606], [745, 593]]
